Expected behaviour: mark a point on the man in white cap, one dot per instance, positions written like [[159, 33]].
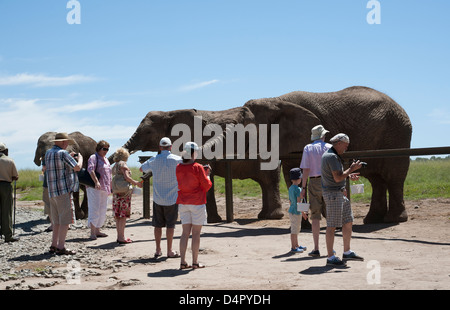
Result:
[[339, 211], [311, 166], [165, 194], [8, 174]]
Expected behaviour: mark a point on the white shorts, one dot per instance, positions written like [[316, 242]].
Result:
[[192, 214]]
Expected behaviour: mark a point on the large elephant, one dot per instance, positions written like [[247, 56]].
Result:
[[84, 145], [159, 124], [372, 120]]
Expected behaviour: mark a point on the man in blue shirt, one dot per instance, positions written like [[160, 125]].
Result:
[[165, 193]]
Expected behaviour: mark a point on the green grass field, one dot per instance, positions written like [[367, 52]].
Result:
[[426, 179]]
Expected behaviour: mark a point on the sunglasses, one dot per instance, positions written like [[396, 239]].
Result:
[[105, 149]]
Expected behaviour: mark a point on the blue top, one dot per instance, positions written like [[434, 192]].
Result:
[[294, 193], [165, 186]]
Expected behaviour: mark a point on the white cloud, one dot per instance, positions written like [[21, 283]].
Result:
[[25, 120], [42, 80], [440, 116], [197, 85]]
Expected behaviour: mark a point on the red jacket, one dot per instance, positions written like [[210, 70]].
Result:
[[193, 184]]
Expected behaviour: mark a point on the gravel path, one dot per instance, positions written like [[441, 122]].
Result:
[[29, 257]]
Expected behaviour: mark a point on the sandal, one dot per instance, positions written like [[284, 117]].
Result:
[[64, 251], [184, 266], [128, 240], [174, 255], [52, 249], [198, 265]]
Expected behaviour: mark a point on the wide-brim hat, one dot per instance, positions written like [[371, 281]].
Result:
[[3, 147], [62, 136], [318, 132]]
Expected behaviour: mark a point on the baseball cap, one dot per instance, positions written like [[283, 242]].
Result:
[[295, 174], [191, 146], [340, 137], [165, 142]]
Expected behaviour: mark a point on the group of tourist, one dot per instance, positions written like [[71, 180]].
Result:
[[179, 188], [323, 167]]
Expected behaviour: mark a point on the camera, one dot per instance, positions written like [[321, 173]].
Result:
[[363, 164]]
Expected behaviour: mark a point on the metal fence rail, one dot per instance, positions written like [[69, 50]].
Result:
[[405, 152]]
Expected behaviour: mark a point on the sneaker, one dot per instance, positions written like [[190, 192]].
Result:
[[352, 256], [303, 248], [336, 262], [297, 250], [314, 253]]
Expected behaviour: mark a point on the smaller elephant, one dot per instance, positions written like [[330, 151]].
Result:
[[84, 145]]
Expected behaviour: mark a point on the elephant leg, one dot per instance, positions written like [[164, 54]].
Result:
[[84, 204], [269, 182], [397, 211], [211, 206], [79, 214], [378, 204]]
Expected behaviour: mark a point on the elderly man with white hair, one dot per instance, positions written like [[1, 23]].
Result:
[[339, 212]]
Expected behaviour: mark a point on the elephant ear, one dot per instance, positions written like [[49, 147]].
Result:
[[295, 122]]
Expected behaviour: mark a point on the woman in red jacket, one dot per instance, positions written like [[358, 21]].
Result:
[[193, 184]]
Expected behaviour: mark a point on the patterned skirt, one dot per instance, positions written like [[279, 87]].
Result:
[[122, 205]]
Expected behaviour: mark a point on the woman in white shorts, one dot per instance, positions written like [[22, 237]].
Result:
[[193, 184]]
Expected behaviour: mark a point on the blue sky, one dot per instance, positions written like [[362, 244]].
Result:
[[127, 58]]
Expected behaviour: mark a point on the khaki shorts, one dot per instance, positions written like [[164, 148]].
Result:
[[317, 204], [62, 209], [296, 222]]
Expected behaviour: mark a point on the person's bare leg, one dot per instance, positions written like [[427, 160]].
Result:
[[184, 242], [196, 230], [316, 233], [158, 237], [330, 240], [347, 235], [169, 236]]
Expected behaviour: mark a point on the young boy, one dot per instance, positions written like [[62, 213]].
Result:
[[294, 215]]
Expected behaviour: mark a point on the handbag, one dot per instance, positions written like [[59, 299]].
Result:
[[85, 178], [119, 185], [303, 206]]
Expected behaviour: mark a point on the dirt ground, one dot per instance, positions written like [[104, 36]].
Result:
[[249, 254]]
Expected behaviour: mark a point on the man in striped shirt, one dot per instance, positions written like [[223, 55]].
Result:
[[62, 181]]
